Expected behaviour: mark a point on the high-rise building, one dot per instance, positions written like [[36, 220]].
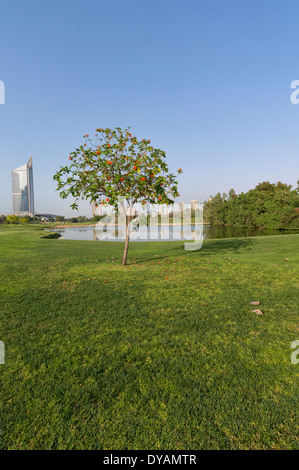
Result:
[[194, 204], [96, 210], [22, 189]]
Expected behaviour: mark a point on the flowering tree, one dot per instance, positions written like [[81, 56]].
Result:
[[116, 165]]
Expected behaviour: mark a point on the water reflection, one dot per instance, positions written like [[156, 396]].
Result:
[[152, 233]]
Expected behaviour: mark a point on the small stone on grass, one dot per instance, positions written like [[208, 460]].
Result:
[[257, 311]]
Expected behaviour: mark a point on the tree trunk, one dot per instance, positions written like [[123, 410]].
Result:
[[125, 253], [128, 220]]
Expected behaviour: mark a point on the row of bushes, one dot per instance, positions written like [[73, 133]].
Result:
[[16, 220]]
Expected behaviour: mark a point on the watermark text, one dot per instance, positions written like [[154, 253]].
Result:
[[2, 92], [2, 353], [295, 354]]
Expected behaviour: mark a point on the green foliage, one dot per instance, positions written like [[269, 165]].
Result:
[[116, 165], [97, 218], [16, 219], [83, 219], [25, 219], [273, 206], [13, 219]]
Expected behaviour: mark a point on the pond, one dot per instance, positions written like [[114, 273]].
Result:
[[160, 233]]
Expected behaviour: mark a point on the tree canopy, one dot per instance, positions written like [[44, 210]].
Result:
[[116, 165], [269, 205]]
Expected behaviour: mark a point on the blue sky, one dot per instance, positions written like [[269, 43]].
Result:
[[207, 81]]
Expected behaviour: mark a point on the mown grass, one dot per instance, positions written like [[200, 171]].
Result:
[[162, 354]]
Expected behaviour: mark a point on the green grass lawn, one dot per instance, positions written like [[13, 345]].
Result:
[[164, 353]]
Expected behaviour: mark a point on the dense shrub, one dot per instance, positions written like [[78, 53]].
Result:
[[274, 206]]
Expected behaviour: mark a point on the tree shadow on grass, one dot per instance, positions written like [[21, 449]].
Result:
[[209, 247], [155, 258], [226, 244]]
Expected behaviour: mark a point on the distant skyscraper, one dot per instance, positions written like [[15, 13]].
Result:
[[22, 189], [194, 204], [96, 210]]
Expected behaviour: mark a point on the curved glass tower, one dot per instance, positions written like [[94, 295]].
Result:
[[22, 189]]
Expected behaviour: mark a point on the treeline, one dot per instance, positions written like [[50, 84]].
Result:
[[13, 219], [272, 206]]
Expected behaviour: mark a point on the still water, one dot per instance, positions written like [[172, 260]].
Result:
[[143, 233]]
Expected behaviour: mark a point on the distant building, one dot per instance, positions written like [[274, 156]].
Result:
[[45, 217], [22, 189], [93, 208], [194, 204], [96, 210]]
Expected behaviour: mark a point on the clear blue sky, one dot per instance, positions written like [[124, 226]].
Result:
[[206, 80]]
